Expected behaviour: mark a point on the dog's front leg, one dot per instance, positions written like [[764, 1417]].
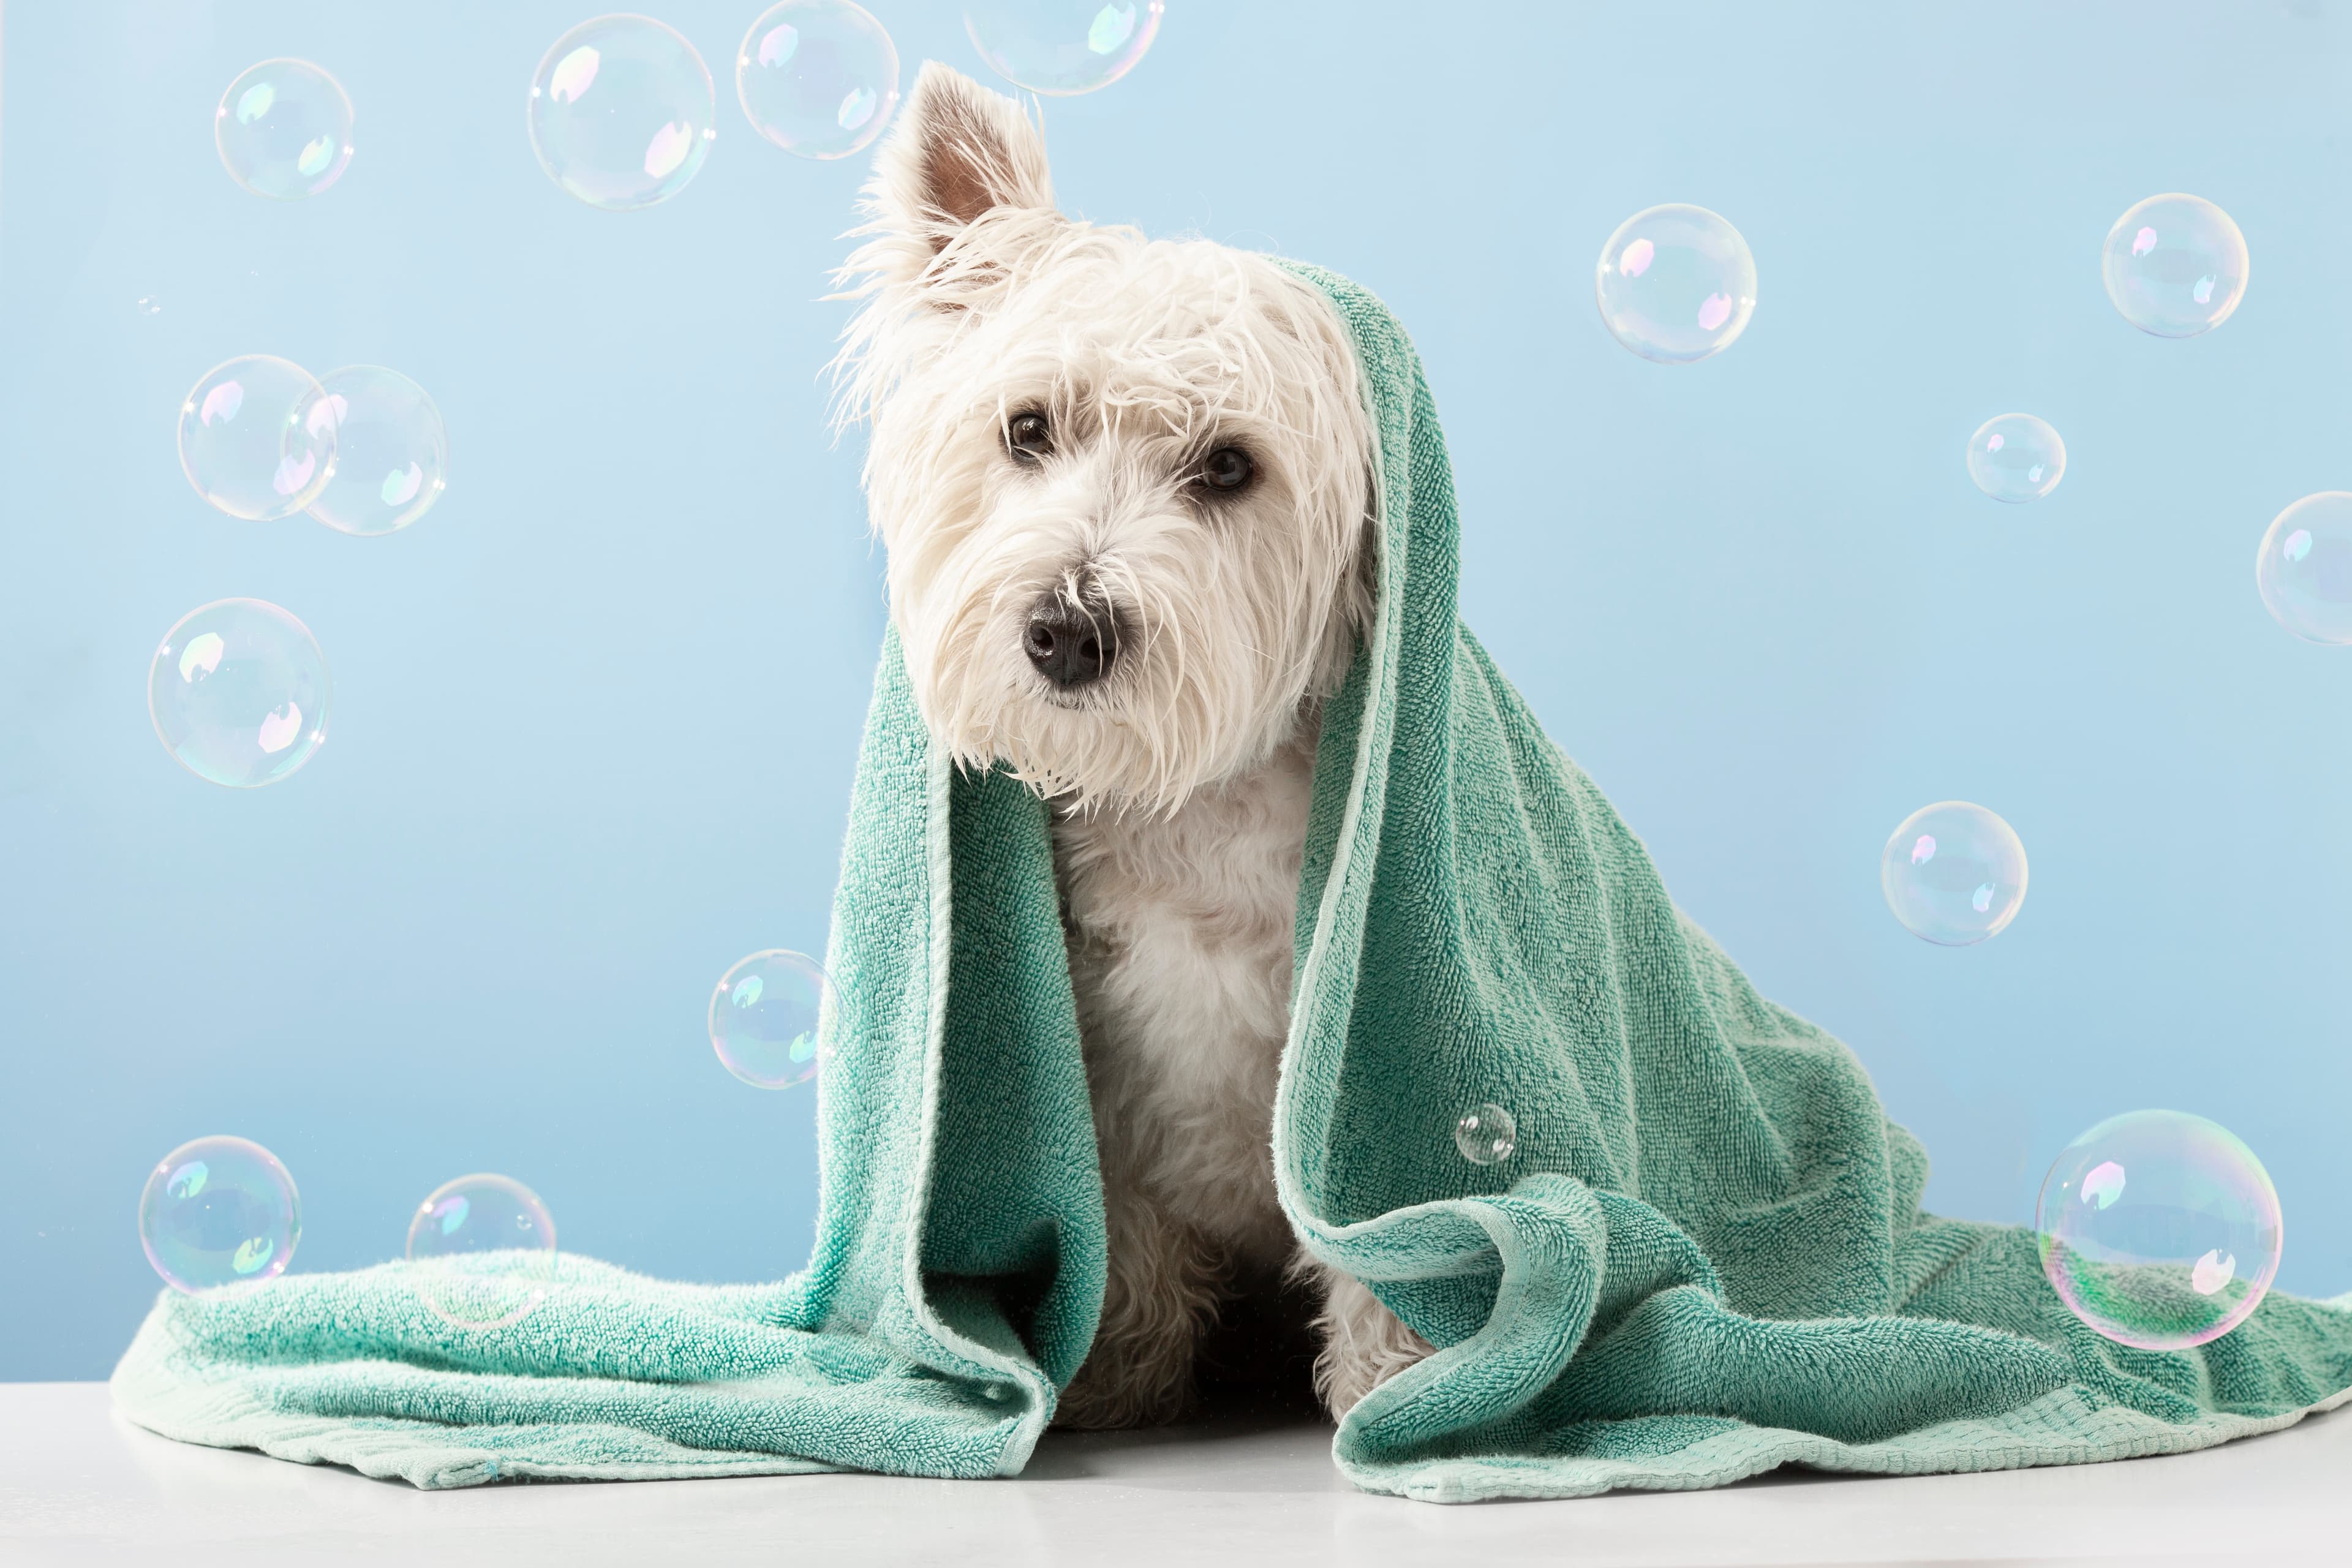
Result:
[[1161, 1294], [1364, 1345]]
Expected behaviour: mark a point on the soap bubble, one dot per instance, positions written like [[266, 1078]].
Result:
[[217, 1211], [2175, 266], [482, 1251], [818, 77], [149, 305], [250, 441], [767, 1015], [392, 455], [2304, 568], [2016, 458], [2160, 1229], [622, 112], [284, 130], [1675, 284], [1062, 47], [238, 693], [1486, 1134], [1953, 873]]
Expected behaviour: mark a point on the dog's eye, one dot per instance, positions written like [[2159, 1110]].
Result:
[[1026, 437], [1227, 468]]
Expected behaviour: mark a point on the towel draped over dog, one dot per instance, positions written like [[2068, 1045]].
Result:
[[1702, 1258]]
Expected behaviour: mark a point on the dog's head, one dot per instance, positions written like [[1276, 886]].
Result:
[[1123, 484]]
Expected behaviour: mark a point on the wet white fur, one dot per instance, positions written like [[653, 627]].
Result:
[[1180, 782]]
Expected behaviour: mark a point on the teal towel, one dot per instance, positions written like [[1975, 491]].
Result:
[[1704, 1258]]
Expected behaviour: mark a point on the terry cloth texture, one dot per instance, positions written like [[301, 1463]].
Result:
[[1704, 1258]]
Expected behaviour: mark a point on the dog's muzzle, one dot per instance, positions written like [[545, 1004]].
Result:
[[1072, 642]]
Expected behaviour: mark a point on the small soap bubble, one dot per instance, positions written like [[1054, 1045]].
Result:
[[1062, 47], [392, 453], [149, 305], [622, 112], [250, 439], [482, 1251], [2175, 266], [219, 1211], [2304, 568], [1676, 284], [238, 693], [818, 77], [2016, 458], [284, 130], [1486, 1134], [768, 1016], [1953, 873], [2160, 1229]]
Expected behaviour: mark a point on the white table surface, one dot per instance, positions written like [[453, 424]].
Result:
[[80, 1485]]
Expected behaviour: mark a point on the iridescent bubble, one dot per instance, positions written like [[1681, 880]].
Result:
[[238, 693], [149, 305], [1953, 873], [1486, 1134], [2016, 458], [769, 1018], [392, 453], [2175, 266], [2160, 1229], [481, 1251], [1062, 47], [1676, 284], [249, 441], [219, 1211], [284, 130], [622, 112], [818, 77], [2304, 568]]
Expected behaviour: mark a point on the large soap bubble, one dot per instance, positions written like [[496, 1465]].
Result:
[[482, 1251], [391, 453], [1062, 47], [622, 112], [1676, 284], [251, 438], [284, 130], [1953, 873], [2160, 1229], [219, 1211], [2304, 568], [2016, 458], [766, 1018], [1486, 1134], [2175, 266], [239, 692], [817, 78]]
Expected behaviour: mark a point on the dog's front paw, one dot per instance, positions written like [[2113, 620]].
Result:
[[1364, 1345]]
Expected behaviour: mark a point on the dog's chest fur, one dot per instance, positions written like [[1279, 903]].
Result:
[[1179, 932]]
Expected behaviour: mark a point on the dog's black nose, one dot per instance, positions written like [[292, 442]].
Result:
[[1072, 644]]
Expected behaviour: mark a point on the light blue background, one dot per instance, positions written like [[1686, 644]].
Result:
[[596, 714]]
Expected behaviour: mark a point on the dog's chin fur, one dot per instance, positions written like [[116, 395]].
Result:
[[1182, 777], [1144, 356]]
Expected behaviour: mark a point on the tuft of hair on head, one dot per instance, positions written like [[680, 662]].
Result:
[[960, 196]]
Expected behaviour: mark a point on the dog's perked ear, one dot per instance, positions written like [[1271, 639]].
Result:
[[959, 153]]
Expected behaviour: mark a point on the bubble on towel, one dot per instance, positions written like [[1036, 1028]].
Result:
[[769, 1017], [391, 452], [1486, 1134], [219, 1211], [2175, 266], [1062, 47], [2159, 1229], [238, 693], [2016, 458], [1953, 873], [482, 1251], [817, 78], [251, 441], [284, 130], [1676, 284], [623, 112], [2303, 570]]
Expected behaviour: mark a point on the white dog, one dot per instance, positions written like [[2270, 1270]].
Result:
[[1125, 487]]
